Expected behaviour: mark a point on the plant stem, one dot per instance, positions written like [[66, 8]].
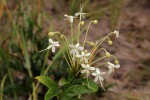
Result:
[[86, 33], [72, 32]]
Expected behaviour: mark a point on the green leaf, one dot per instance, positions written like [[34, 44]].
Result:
[[46, 81], [91, 84], [63, 82], [52, 92], [74, 91], [87, 82], [2, 87]]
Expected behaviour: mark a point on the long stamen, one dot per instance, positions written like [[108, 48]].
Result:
[[98, 60], [99, 51], [117, 79], [87, 33], [100, 42], [102, 85], [78, 37]]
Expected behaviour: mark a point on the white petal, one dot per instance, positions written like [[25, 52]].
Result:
[[88, 54], [66, 15], [97, 71], [77, 44], [117, 66], [50, 40], [94, 74], [82, 53], [110, 64], [101, 78], [80, 48], [83, 65], [92, 68], [71, 45], [83, 71], [77, 14], [53, 49], [72, 51], [96, 79], [49, 46], [57, 45], [85, 59], [88, 66], [71, 19]]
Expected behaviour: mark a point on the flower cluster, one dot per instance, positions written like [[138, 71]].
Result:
[[79, 60]]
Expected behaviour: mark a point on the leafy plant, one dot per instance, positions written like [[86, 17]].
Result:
[[80, 63]]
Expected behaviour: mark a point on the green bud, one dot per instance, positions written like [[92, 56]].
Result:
[[95, 21], [110, 42], [61, 36], [85, 51], [116, 61], [92, 44], [51, 33], [108, 54], [82, 23]]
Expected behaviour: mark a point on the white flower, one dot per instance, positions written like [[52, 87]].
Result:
[[98, 76], [75, 48], [81, 14], [111, 67], [52, 45], [86, 69], [116, 33], [83, 57], [69, 18]]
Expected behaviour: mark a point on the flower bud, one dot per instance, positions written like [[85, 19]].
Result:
[[95, 21], [51, 33], [92, 44], [110, 42], [116, 61], [108, 54], [82, 23], [85, 51], [61, 36]]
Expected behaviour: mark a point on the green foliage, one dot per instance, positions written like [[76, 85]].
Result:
[[52, 92], [75, 90], [2, 87], [46, 81], [68, 89]]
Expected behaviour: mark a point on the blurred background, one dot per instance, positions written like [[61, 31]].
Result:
[[24, 25]]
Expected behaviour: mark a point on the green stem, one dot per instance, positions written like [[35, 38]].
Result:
[[98, 60], [86, 33], [72, 32], [12, 82]]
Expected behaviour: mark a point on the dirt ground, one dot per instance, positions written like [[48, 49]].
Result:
[[133, 51]]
